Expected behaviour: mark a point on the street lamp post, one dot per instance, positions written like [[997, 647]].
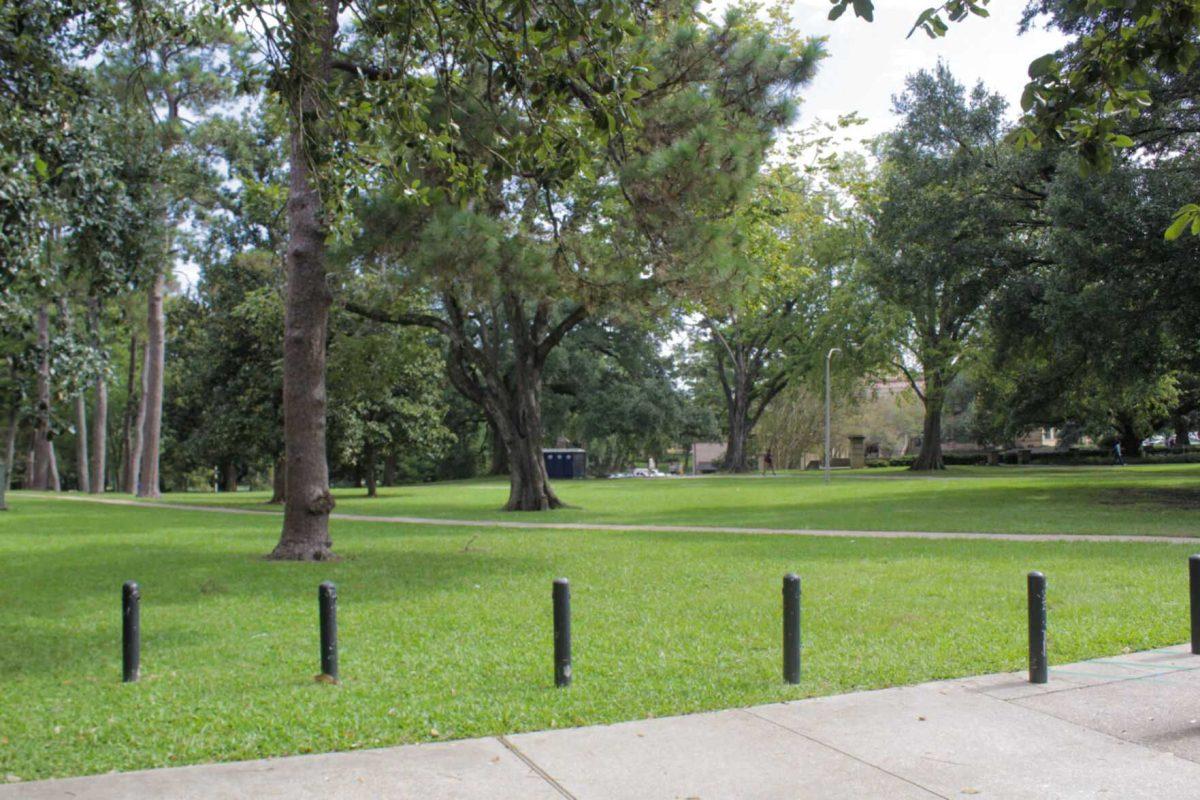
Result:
[[828, 404]]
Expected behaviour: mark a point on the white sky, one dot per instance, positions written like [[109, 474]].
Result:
[[868, 62]]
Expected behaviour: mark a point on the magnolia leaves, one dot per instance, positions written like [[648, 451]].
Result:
[[930, 20]]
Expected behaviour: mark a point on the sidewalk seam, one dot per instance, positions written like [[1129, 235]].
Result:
[[529, 762], [860, 760]]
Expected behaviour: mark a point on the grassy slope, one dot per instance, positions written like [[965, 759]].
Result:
[[446, 632], [1006, 500]]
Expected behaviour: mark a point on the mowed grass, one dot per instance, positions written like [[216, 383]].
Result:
[[1139, 500], [446, 632]]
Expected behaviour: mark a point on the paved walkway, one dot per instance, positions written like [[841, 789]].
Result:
[[1122, 728], [601, 526]]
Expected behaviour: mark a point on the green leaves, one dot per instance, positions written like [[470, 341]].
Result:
[[1185, 218]]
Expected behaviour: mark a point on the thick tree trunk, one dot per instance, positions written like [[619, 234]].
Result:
[[278, 482], [305, 535], [736, 446], [930, 456], [42, 453], [1180, 424], [229, 477], [135, 413], [499, 453], [391, 466], [369, 468], [152, 383], [1130, 438], [521, 430], [100, 419]]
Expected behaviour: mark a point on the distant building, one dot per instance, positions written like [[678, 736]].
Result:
[[707, 457]]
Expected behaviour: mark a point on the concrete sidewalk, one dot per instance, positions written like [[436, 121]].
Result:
[[1124, 727]]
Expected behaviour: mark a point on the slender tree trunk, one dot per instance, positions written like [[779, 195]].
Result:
[[42, 452], [29, 464], [278, 482], [390, 468], [10, 446], [55, 479], [134, 475], [369, 467], [152, 383], [130, 444], [100, 420], [930, 456], [81, 427], [305, 535]]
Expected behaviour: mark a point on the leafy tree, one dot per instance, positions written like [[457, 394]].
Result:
[[943, 237], [1095, 333], [626, 214], [383, 396]]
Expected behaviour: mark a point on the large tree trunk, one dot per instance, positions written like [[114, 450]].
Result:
[[305, 537], [1129, 436], [135, 412], [736, 446], [100, 421], [369, 467], [152, 383], [42, 453], [278, 482], [930, 456], [520, 426], [229, 477], [391, 467]]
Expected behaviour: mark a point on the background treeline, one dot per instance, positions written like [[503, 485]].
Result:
[[429, 243]]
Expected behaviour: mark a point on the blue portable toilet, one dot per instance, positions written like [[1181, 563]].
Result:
[[565, 463]]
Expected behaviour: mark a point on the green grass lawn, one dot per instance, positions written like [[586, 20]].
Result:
[[1131, 500], [446, 632]]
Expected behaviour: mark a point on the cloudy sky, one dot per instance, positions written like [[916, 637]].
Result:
[[868, 61]]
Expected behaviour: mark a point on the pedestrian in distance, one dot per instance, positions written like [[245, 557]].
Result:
[[768, 463], [1118, 459]]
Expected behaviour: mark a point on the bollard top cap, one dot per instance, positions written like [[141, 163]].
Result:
[[327, 586], [791, 576], [561, 582], [131, 586], [1036, 574]]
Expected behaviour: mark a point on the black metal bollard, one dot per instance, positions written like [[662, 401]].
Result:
[[562, 632], [1038, 664], [131, 632], [327, 601], [791, 628], [1194, 586]]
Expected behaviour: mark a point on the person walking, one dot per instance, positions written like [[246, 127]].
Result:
[[1118, 459], [768, 463]]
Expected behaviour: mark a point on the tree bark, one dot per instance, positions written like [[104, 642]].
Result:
[[55, 479], [99, 464], [152, 383], [736, 455], [82, 463], [1129, 436], [305, 536], [369, 467], [930, 456], [131, 432], [390, 467], [278, 482], [520, 425], [229, 477], [42, 453], [10, 446]]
